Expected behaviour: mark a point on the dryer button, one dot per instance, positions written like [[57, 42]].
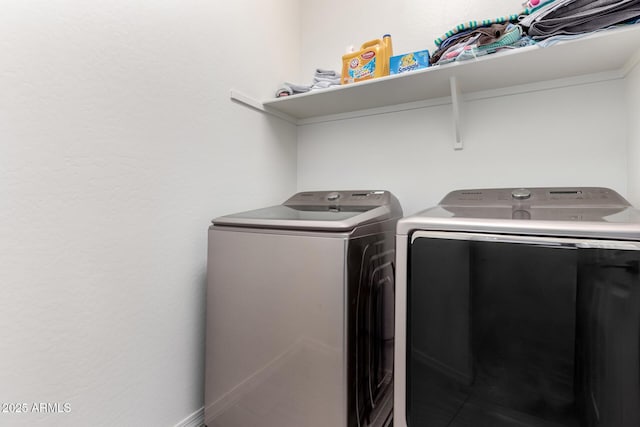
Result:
[[332, 197]]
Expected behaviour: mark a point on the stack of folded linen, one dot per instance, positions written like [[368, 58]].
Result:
[[541, 21], [466, 27], [577, 17], [480, 41]]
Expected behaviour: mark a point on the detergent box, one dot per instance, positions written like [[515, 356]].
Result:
[[409, 62]]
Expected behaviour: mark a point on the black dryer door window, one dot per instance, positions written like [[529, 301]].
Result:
[[522, 334]]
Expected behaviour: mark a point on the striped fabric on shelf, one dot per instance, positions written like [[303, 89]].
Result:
[[471, 25]]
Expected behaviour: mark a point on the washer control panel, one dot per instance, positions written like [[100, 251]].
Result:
[[342, 198]]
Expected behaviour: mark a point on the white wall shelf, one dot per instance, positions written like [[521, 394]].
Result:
[[607, 55]]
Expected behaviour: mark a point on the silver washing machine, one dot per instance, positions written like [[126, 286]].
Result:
[[300, 312], [519, 308]]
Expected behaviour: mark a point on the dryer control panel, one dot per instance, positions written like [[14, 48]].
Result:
[[595, 197]]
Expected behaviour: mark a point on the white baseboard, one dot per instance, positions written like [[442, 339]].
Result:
[[194, 420]]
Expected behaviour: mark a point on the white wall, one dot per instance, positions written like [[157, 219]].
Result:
[[548, 138], [118, 144], [575, 135], [632, 93]]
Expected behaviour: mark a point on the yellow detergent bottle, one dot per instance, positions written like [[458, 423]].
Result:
[[388, 50], [372, 60]]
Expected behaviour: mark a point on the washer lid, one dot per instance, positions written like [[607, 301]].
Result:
[[579, 211], [321, 210]]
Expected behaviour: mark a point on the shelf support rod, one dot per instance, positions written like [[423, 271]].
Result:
[[456, 100]]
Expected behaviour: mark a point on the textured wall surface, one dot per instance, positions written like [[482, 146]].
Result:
[[118, 144]]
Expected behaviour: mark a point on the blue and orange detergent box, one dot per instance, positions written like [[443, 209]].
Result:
[[408, 62]]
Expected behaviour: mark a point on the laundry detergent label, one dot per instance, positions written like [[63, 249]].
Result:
[[362, 66]]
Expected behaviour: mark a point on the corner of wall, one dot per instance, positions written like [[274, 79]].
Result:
[[632, 81]]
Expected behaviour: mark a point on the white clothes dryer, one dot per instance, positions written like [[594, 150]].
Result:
[[519, 308]]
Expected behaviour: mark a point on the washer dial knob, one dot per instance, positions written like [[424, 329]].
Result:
[[521, 194], [332, 197]]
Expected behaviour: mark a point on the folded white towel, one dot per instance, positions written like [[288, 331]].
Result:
[[320, 72], [322, 79]]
